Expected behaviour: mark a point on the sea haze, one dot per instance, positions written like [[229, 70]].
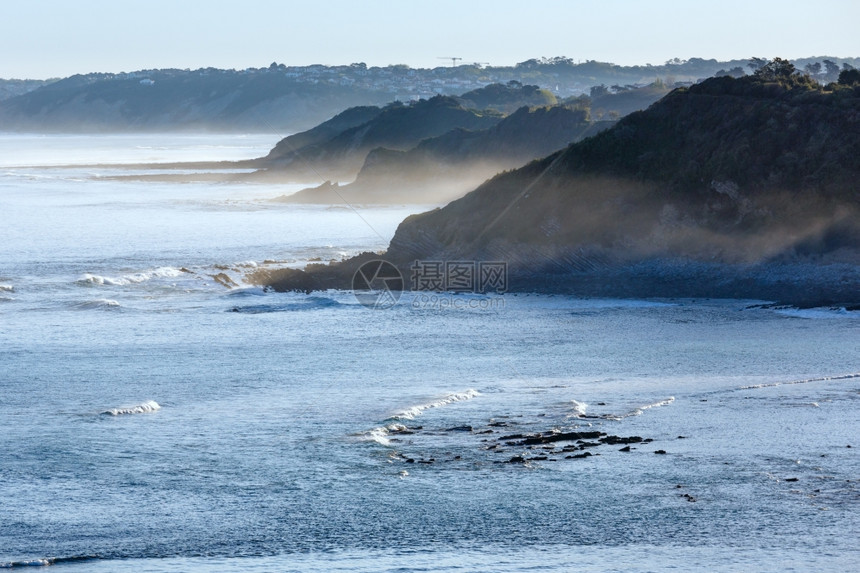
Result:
[[159, 413]]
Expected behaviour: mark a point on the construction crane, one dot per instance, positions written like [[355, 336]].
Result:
[[452, 58]]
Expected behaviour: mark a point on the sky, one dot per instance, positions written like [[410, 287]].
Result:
[[57, 38]]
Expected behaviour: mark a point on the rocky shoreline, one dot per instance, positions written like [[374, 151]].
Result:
[[803, 284]]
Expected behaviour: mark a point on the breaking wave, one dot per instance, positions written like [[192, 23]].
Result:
[[310, 303], [806, 381], [413, 411], [579, 410], [44, 562], [7, 288], [381, 434], [144, 408], [98, 304], [98, 280], [819, 313]]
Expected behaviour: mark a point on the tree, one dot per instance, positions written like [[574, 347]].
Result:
[[756, 64], [813, 69], [597, 91], [736, 72], [849, 77], [831, 71], [775, 70]]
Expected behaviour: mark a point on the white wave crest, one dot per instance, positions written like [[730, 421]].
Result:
[[133, 278], [30, 563], [381, 434], [819, 313], [102, 303], [7, 288], [638, 411], [665, 402], [806, 381], [578, 408], [411, 412], [144, 408]]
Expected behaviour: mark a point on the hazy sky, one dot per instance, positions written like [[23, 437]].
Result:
[[51, 38]]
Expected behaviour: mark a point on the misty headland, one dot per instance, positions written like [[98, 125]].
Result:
[[732, 186]]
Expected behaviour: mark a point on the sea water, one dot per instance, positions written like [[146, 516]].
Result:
[[155, 416]]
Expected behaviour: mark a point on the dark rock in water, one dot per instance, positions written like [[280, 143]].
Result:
[[460, 429], [410, 460], [682, 437], [497, 424], [578, 456], [588, 444], [561, 437], [612, 440], [485, 432], [517, 460], [601, 403], [689, 497], [511, 437], [647, 440], [538, 458], [791, 479], [625, 449], [660, 452]]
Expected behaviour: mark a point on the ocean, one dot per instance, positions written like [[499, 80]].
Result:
[[159, 413]]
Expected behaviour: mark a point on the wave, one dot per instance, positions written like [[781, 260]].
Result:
[[310, 303], [413, 411], [246, 292], [45, 561], [98, 304], [381, 434], [144, 408], [580, 407], [806, 381], [90, 279], [7, 288], [819, 313]]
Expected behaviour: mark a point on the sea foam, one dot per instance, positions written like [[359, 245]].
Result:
[[144, 408], [413, 411], [98, 280]]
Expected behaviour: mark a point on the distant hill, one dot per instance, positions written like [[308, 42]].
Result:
[[281, 98], [508, 97], [442, 168], [397, 127], [170, 100], [13, 88], [735, 187]]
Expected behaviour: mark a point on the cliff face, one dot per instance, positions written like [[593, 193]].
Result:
[[715, 190]]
